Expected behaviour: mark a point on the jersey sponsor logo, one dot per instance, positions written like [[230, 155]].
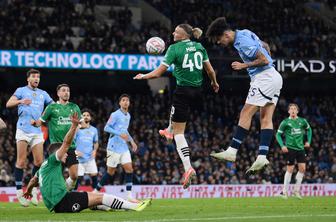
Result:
[[295, 131], [63, 120]]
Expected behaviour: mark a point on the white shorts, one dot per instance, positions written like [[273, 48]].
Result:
[[89, 167], [265, 88], [113, 159], [31, 138]]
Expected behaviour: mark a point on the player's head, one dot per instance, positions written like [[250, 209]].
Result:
[[186, 31], [124, 101], [52, 148], [87, 115], [63, 92], [293, 110], [33, 78], [219, 32]]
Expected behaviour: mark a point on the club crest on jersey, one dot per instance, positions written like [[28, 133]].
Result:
[[34, 94]]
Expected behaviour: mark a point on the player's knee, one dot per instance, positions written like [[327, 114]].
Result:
[[20, 163], [38, 162]]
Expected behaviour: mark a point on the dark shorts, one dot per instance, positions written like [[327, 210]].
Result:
[[73, 202], [184, 99], [71, 159], [298, 155]]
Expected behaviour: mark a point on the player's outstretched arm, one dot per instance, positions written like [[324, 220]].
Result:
[[32, 183], [153, 74], [14, 101], [68, 137], [2, 124], [212, 75]]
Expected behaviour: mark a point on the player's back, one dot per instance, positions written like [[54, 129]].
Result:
[[188, 60]]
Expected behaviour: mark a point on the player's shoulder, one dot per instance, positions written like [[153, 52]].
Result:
[[73, 105], [244, 36], [302, 119]]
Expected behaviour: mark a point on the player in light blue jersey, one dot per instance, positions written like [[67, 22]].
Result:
[[86, 140], [30, 102], [118, 146], [264, 92]]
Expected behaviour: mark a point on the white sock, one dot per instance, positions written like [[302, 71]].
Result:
[[298, 177], [34, 191], [183, 150], [70, 184], [115, 202], [287, 180]]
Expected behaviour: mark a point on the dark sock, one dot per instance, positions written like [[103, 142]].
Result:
[[238, 137], [129, 181], [18, 173], [106, 179], [266, 136], [35, 169], [94, 182]]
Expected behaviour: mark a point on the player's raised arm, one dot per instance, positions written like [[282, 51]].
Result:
[[68, 137], [153, 74]]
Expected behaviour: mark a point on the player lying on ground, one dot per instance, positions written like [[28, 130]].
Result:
[[53, 188]]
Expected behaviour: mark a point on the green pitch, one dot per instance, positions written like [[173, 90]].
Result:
[[317, 209]]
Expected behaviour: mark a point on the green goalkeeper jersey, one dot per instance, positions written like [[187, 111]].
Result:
[[294, 130], [58, 118], [188, 58], [51, 181]]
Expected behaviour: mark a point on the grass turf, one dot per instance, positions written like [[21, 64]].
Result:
[[314, 209]]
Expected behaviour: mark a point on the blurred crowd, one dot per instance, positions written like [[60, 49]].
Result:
[[210, 128], [80, 25]]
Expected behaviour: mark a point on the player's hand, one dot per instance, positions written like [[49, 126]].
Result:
[[79, 153], [33, 122], [25, 101], [134, 147], [284, 149], [139, 76], [74, 119], [124, 136], [215, 86], [307, 145], [238, 65], [27, 195]]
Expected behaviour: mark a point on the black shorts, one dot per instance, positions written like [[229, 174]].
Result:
[[73, 202], [184, 99], [298, 155], [71, 159]]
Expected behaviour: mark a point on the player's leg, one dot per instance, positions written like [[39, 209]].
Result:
[[184, 153], [243, 127], [301, 159], [114, 202], [37, 151], [168, 132], [92, 170], [126, 162], [112, 161], [287, 180], [72, 164], [21, 157], [80, 174], [266, 135]]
